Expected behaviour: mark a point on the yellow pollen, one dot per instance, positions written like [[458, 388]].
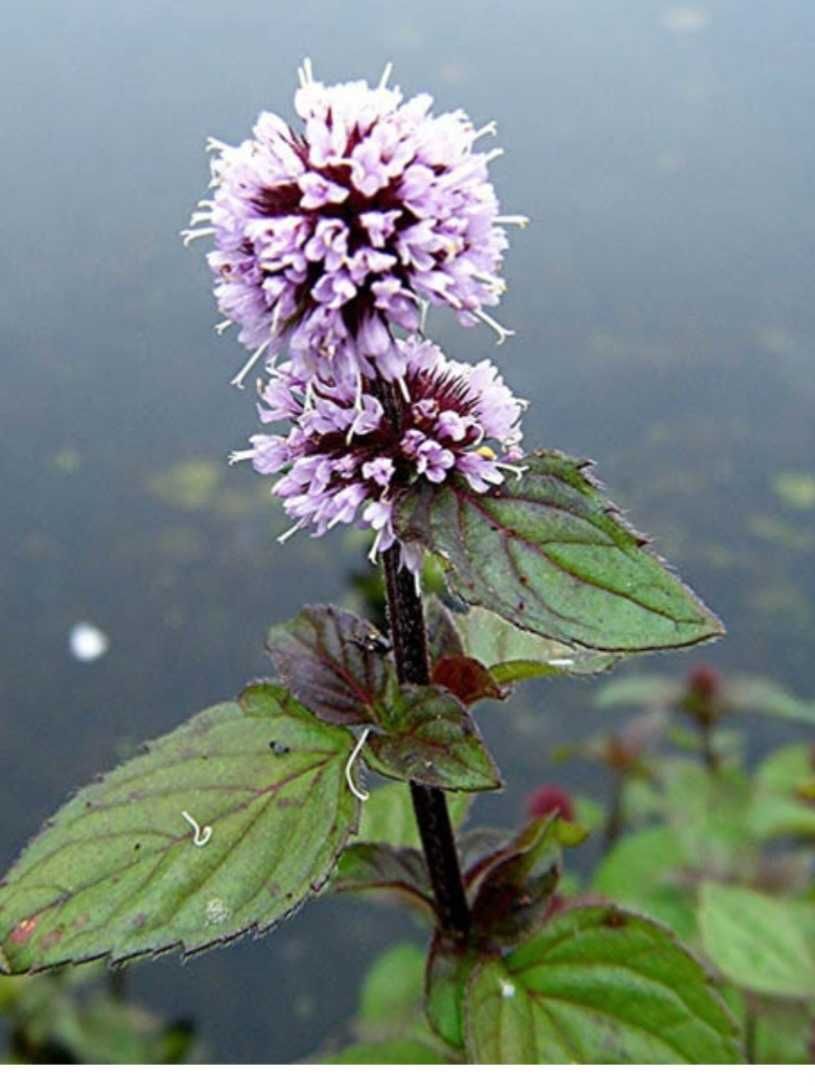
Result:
[[486, 452]]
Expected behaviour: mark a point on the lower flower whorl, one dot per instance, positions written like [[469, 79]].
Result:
[[348, 453]]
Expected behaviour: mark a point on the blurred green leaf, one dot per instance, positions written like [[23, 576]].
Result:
[[759, 942], [642, 872], [764, 697], [388, 815], [399, 1050], [512, 655], [782, 804], [710, 815], [639, 692], [393, 989]]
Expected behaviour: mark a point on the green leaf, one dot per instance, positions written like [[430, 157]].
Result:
[[642, 872], [784, 790], [549, 553], [640, 692], [783, 1034], [393, 989], [388, 815], [117, 872], [764, 697], [432, 739], [710, 815], [398, 1050], [761, 943], [513, 655], [376, 867], [597, 985], [333, 662], [448, 969], [107, 1031]]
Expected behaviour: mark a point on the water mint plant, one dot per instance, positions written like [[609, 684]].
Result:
[[331, 239]]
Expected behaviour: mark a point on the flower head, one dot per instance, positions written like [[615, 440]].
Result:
[[345, 459], [328, 235]]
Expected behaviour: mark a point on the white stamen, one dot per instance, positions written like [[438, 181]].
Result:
[[403, 388], [201, 834], [499, 330], [241, 454], [383, 82], [358, 408], [512, 220], [287, 535], [490, 156], [189, 236], [493, 281], [424, 308], [200, 216], [490, 129], [222, 327], [217, 145], [363, 796], [513, 468], [305, 74], [237, 380], [308, 402], [373, 553]]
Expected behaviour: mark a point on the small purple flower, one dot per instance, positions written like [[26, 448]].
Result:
[[343, 460], [326, 236]]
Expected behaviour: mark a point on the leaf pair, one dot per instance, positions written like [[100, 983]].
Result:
[[332, 661]]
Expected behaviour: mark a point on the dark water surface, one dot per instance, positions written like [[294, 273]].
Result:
[[663, 302]]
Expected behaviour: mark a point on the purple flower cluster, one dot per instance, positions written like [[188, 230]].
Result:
[[330, 236], [344, 459]]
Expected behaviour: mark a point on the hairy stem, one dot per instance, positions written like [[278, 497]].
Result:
[[407, 629]]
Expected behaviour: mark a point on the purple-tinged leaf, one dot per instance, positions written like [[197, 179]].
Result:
[[443, 637], [402, 872], [468, 679], [432, 739], [334, 662]]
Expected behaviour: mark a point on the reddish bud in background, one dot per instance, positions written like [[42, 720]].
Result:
[[704, 681], [548, 799]]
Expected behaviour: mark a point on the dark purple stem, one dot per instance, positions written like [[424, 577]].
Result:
[[409, 638]]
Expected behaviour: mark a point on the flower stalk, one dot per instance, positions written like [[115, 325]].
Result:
[[410, 651], [429, 804]]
